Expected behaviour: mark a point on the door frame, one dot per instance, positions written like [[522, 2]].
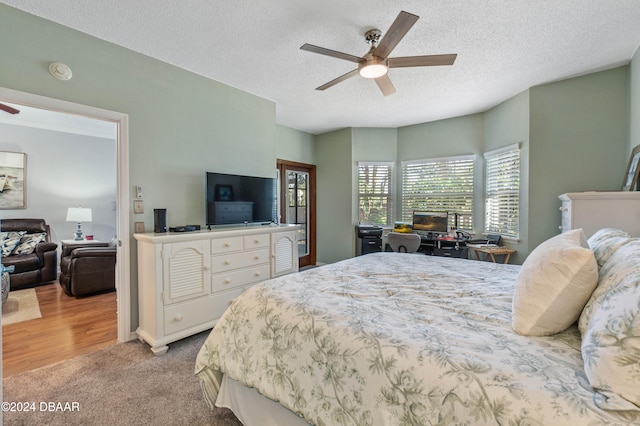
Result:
[[123, 267], [283, 166]]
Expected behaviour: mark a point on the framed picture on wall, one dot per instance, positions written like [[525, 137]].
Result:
[[631, 177], [13, 186]]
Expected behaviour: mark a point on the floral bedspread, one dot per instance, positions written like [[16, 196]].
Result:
[[400, 339]]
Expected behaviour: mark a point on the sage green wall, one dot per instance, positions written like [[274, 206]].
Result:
[[634, 101], [370, 144], [295, 145], [335, 233], [578, 142], [180, 124], [507, 124]]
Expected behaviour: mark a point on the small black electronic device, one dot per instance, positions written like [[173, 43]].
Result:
[[184, 228], [159, 220]]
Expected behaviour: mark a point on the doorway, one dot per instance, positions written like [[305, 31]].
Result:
[[123, 284], [298, 205]]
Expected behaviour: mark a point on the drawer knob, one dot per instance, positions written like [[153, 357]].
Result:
[[257, 274], [256, 257], [177, 317], [256, 241], [226, 281], [227, 245], [226, 262]]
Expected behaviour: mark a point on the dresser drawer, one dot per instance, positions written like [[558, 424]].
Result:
[[256, 241], [232, 261], [226, 245], [183, 315], [239, 278]]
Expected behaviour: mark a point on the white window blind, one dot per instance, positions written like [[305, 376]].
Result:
[[440, 185], [502, 191], [374, 192]]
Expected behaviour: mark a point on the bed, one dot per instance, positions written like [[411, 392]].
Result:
[[394, 338]]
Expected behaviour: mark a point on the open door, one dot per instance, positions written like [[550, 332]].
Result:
[[298, 205]]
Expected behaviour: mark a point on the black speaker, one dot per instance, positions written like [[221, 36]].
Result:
[[159, 220]]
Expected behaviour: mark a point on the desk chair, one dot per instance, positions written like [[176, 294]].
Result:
[[404, 243]]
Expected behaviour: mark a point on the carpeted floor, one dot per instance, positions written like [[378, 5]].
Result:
[[21, 305], [124, 384]]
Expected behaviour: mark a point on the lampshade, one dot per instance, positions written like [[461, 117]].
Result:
[[78, 214]]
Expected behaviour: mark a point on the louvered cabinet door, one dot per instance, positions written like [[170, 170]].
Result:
[[284, 253], [187, 272]]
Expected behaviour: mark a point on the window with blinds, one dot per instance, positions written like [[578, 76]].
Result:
[[374, 192], [502, 191], [440, 185]]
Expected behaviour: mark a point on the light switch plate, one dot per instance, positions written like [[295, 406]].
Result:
[[139, 227], [138, 206], [138, 191]]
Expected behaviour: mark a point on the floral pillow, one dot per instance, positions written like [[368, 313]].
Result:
[[610, 347], [605, 242], [29, 242], [622, 263], [9, 241]]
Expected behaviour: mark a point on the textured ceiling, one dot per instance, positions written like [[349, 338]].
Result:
[[503, 47]]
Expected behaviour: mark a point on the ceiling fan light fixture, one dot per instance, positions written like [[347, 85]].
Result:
[[373, 69]]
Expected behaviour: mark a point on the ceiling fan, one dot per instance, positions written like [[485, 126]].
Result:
[[10, 110], [375, 63]]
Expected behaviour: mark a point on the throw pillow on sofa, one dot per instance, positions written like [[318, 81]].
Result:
[[9, 241], [611, 335], [553, 285], [29, 242]]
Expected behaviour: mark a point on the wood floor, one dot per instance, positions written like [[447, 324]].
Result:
[[69, 327]]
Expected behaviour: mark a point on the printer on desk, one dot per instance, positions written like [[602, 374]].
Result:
[[368, 238]]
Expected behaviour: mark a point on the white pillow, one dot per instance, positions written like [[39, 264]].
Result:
[[553, 285], [611, 339]]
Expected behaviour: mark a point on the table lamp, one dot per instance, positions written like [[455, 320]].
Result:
[[78, 215]]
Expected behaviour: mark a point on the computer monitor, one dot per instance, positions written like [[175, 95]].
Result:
[[436, 222]]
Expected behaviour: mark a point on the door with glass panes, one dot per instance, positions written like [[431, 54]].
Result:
[[297, 205]]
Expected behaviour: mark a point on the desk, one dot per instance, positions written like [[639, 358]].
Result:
[[490, 252]]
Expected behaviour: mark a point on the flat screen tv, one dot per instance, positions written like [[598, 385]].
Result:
[[238, 199], [436, 222]]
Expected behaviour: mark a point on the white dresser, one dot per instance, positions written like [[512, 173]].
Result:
[[187, 280], [592, 211]]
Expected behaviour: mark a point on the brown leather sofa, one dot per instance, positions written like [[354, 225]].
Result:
[[88, 269], [36, 268]]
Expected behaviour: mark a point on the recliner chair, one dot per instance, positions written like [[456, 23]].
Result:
[[87, 270]]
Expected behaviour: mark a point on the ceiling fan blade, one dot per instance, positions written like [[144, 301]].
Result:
[[10, 110], [422, 61], [385, 85], [333, 53], [338, 80], [395, 33]]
